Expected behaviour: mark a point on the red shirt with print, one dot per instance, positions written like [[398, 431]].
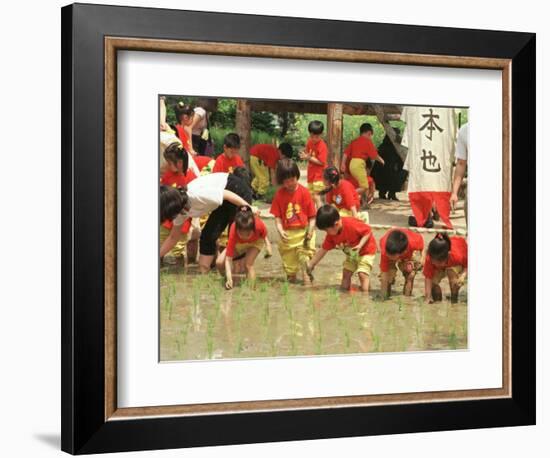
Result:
[[294, 208], [416, 243], [260, 232], [202, 161], [268, 154], [361, 148], [226, 165], [351, 233], [319, 151], [458, 256], [182, 135], [343, 196]]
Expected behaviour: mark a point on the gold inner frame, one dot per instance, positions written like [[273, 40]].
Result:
[[114, 44]]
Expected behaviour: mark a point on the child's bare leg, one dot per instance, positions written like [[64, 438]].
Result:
[[409, 284], [454, 284], [437, 295], [346, 280], [317, 200], [385, 285], [364, 281], [220, 262], [249, 259], [205, 263]]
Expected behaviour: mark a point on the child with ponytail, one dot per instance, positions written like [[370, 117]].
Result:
[[447, 257], [340, 193], [247, 237]]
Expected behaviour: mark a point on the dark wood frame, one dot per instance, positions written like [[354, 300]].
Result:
[[91, 36]]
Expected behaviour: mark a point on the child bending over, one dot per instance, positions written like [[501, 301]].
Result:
[[447, 257], [247, 237], [356, 239], [400, 249], [342, 194]]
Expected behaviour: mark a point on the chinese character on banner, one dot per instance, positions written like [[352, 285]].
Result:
[[430, 124]]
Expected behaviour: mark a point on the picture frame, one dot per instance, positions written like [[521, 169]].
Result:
[[91, 37]]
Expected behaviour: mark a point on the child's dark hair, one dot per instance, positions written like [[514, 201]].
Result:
[[172, 202], [243, 174], [332, 175], [232, 140], [439, 247], [174, 152], [315, 127], [365, 127], [397, 242], [182, 109], [327, 215], [244, 219], [286, 150], [287, 168]]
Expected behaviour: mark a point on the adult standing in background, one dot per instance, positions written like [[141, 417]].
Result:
[[389, 179], [200, 131], [461, 152]]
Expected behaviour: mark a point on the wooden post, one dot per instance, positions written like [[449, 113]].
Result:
[[335, 128], [243, 125]]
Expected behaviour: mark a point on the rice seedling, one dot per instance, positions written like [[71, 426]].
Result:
[[210, 325], [375, 341], [452, 340]]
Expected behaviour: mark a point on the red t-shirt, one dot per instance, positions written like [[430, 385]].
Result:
[[361, 148], [224, 164], [267, 153], [182, 135], [260, 232], [179, 180], [353, 230], [343, 196], [458, 256], [294, 208], [202, 161], [319, 151], [416, 243]]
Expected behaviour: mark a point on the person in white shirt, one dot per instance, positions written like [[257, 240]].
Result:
[[461, 152], [199, 130], [217, 194]]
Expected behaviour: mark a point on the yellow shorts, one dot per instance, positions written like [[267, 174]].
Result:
[[362, 215], [416, 259], [440, 274], [359, 264], [261, 181], [223, 238], [358, 170], [316, 187], [296, 252], [179, 249], [241, 248]]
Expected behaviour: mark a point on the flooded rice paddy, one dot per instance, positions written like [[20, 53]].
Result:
[[200, 320]]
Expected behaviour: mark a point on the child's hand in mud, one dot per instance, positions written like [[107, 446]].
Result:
[[429, 300], [409, 266], [229, 283], [268, 252]]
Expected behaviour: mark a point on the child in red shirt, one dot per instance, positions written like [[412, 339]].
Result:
[[178, 175], [355, 238], [294, 213], [184, 120], [205, 164], [341, 193], [447, 256], [263, 162], [247, 237], [400, 249], [229, 160], [358, 152], [315, 153]]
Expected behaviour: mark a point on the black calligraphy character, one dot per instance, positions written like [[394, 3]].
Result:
[[430, 124], [431, 161]]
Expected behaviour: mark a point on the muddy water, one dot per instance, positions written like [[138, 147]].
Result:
[[199, 319]]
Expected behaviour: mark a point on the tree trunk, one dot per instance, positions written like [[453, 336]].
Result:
[[243, 125], [335, 121], [383, 119]]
